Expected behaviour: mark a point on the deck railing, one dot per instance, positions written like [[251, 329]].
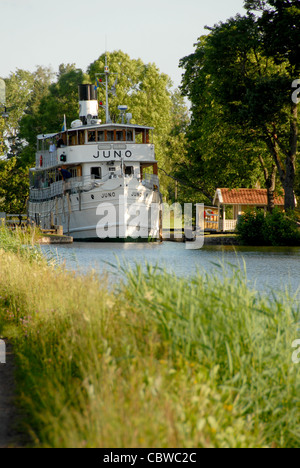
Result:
[[82, 184], [46, 159], [56, 189]]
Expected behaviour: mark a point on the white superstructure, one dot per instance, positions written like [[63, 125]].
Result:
[[97, 180]]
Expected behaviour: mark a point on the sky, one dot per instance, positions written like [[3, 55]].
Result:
[[51, 32]]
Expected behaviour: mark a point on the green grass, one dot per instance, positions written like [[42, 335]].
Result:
[[157, 362], [21, 242]]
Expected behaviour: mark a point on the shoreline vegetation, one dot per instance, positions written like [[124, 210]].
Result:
[[255, 228], [158, 361]]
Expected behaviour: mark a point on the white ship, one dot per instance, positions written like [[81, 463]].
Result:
[[98, 181]]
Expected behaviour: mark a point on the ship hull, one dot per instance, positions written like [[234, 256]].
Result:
[[119, 210]]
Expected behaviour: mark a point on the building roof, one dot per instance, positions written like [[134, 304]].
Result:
[[254, 197]]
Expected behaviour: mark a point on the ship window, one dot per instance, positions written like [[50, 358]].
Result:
[[81, 137], [138, 138], [72, 138], [96, 172], [129, 170], [119, 135], [129, 135], [110, 135], [73, 172], [91, 136], [112, 173], [100, 136]]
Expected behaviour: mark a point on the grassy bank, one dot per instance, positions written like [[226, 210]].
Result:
[[158, 362], [21, 242]]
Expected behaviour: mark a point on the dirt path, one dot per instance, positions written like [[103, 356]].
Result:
[[8, 435]]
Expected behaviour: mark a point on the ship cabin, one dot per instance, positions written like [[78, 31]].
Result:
[[100, 151]]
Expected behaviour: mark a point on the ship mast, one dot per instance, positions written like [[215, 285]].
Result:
[[106, 71], [107, 90]]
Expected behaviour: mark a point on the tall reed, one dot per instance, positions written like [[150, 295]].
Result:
[[157, 362]]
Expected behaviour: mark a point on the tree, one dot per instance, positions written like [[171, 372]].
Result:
[[14, 186], [230, 71], [176, 150], [24, 91], [218, 154], [46, 114], [279, 24], [18, 87]]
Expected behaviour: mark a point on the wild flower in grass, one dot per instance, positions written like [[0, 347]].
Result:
[[10, 316], [228, 408]]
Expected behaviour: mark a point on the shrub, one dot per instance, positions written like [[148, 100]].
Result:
[[281, 229], [250, 228], [275, 229]]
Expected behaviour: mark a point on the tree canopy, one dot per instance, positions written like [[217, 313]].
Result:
[[279, 21], [60, 98], [238, 87], [14, 187], [24, 91]]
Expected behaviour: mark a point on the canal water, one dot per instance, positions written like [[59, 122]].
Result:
[[267, 267]]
